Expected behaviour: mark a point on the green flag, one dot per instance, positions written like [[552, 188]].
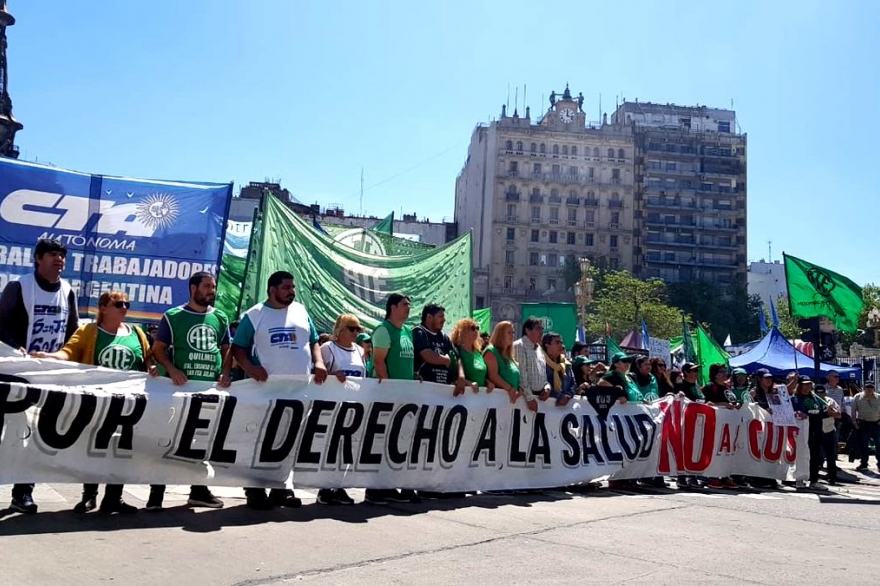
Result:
[[814, 291], [708, 353], [611, 348], [483, 317], [386, 226], [557, 317], [332, 279], [374, 242], [687, 344], [230, 281]]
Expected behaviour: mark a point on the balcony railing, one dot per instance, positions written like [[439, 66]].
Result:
[[591, 202], [660, 202], [573, 201], [615, 203], [512, 196], [536, 198]]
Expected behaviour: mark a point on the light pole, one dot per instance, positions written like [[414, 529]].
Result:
[[583, 291]]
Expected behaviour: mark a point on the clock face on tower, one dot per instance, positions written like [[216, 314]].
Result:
[[566, 116]]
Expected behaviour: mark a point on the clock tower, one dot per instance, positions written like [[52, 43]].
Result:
[[565, 113]]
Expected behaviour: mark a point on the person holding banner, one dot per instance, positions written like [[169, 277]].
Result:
[[278, 337], [435, 357], [192, 343], [808, 405], [560, 376], [465, 337], [502, 369], [661, 375], [111, 343], [644, 378], [38, 313], [618, 376], [393, 358], [532, 366]]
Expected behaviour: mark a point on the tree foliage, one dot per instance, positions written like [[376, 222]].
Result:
[[727, 309], [622, 301]]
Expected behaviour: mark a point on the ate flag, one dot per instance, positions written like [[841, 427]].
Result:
[[814, 291]]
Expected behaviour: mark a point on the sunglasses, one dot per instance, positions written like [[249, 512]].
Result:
[[354, 329], [122, 304]]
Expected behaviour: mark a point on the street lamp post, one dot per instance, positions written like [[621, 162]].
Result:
[[583, 290]]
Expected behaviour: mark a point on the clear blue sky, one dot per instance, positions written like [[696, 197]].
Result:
[[309, 92]]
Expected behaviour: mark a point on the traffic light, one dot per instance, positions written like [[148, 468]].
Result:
[[811, 329], [827, 346]]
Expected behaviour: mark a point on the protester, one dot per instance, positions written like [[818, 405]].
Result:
[[763, 388], [38, 313], [277, 337], [434, 355], [829, 434], [342, 358], [532, 365], [739, 386], [645, 380], [111, 343], [192, 343], [582, 366], [866, 418], [365, 341], [559, 374], [484, 338], [807, 405], [393, 358], [688, 386], [502, 369], [665, 386], [468, 345], [618, 376]]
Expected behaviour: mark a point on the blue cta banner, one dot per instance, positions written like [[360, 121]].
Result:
[[145, 238]]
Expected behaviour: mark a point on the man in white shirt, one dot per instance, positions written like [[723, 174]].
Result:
[[274, 338], [532, 366]]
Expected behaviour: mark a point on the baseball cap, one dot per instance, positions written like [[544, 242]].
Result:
[[583, 361], [804, 380], [620, 357], [688, 366], [869, 384], [763, 373], [737, 371], [363, 337], [820, 388]]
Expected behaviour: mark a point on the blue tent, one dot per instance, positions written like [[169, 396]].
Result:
[[777, 355]]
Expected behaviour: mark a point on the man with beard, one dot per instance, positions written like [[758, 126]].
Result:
[[434, 355], [277, 337], [192, 343], [38, 313]]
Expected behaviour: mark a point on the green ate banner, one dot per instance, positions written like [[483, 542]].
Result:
[[332, 278], [374, 242], [557, 317]]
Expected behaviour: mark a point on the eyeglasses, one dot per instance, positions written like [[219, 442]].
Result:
[[354, 329], [122, 304]]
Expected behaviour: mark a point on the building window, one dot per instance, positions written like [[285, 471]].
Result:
[[509, 145], [724, 127], [481, 301], [570, 238], [574, 150], [509, 257], [610, 153], [535, 191], [554, 214], [533, 258], [555, 169], [554, 192], [536, 213], [670, 166], [535, 235], [612, 241], [621, 154], [572, 215], [573, 171], [543, 260], [590, 216], [615, 218], [555, 149], [615, 175], [552, 259], [536, 168], [514, 168], [596, 152], [511, 234], [553, 236], [519, 145], [511, 210], [533, 283], [551, 283], [591, 173], [508, 281], [565, 149], [588, 240], [534, 147]]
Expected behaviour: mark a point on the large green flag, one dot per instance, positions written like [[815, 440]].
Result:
[[483, 317], [557, 317], [708, 353], [385, 226], [814, 291], [332, 279], [373, 242]]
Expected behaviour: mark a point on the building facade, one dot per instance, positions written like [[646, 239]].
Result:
[[538, 195], [690, 193], [767, 281]]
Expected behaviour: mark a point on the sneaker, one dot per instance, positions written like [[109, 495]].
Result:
[[25, 504], [659, 483], [341, 497], [693, 482], [284, 497], [117, 506], [682, 483], [375, 496], [326, 496], [715, 484], [729, 483], [409, 496], [816, 486], [258, 501], [204, 498], [800, 484], [86, 504], [154, 502]]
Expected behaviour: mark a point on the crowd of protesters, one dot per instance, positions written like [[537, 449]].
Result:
[[278, 337]]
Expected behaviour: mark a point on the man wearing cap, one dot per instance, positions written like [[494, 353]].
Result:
[[618, 376], [807, 405], [829, 434], [532, 366], [688, 386], [866, 418], [38, 313]]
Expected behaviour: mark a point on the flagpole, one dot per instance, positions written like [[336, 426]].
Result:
[[787, 292]]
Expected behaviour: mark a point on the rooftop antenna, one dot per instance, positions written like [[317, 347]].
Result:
[[508, 96], [524, 98], [600, 106], [769, 251], [362, 191], [516, 101]]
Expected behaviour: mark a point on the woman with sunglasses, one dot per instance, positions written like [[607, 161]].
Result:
[[343, 357], [665, 386], [112, 343], [465, 337]]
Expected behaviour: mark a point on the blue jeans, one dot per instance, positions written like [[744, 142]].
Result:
[[869, 430]]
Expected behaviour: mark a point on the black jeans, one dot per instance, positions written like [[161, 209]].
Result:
[[829, 449], [111, 491], [869, 430]]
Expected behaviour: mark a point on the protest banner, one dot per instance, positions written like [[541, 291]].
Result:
[[74, 423], [145, 238]]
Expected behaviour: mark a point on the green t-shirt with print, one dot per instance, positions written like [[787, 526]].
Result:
[[400, 359], [119, 352]]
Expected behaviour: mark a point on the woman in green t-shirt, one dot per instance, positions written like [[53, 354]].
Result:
[[502, 369], [112, 343], [465, 337]]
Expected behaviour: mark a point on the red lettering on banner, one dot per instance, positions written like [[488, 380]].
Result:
[[670, 436], [725, 440], [791, 452], [756, 427], [773, 442], [703, 416]]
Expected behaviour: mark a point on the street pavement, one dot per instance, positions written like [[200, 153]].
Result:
[[558, 537]]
